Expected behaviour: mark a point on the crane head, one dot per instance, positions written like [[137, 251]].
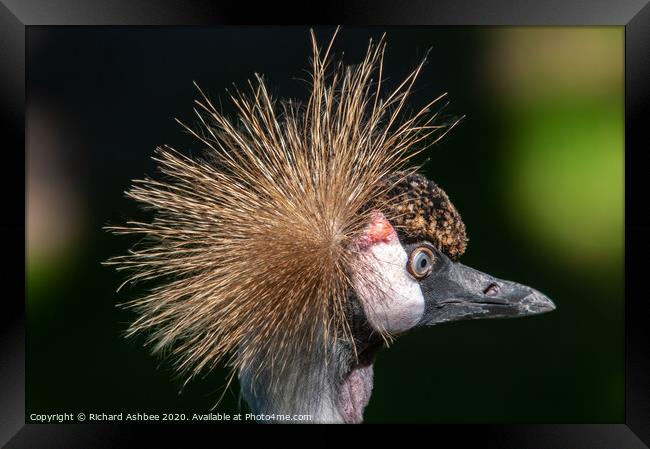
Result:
[[293, 248], [418, 281]]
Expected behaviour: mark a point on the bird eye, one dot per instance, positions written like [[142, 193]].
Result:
[[420, 262]]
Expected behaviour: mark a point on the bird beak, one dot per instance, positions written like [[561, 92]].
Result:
[[454, 292]]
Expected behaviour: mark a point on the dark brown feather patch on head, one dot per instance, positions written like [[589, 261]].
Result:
[[420, 210]]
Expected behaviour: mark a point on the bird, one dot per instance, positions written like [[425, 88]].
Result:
[[303, 240]]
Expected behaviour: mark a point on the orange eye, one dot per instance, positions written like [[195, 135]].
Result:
[[420, 262]]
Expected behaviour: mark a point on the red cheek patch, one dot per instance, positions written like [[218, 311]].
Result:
[[379, 231]]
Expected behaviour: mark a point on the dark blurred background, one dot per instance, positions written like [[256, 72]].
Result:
[[536, 170]]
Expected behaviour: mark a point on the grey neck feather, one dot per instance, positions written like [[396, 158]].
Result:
[[312, 383], [310, 386]]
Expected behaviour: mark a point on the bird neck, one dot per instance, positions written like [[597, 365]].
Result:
[[307, 388]]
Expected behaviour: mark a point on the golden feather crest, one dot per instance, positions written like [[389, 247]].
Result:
[[250, 247]]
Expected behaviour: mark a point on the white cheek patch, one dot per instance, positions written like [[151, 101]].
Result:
[[392, 300]]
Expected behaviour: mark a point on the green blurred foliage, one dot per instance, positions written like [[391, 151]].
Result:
[[567, 165], [564, 142]]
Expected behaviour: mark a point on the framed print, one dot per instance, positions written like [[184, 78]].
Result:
[[235, 219]]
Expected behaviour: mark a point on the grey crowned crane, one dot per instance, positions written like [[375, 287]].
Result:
[[302, 242]]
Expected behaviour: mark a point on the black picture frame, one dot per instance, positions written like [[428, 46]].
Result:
[[16, 16]]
